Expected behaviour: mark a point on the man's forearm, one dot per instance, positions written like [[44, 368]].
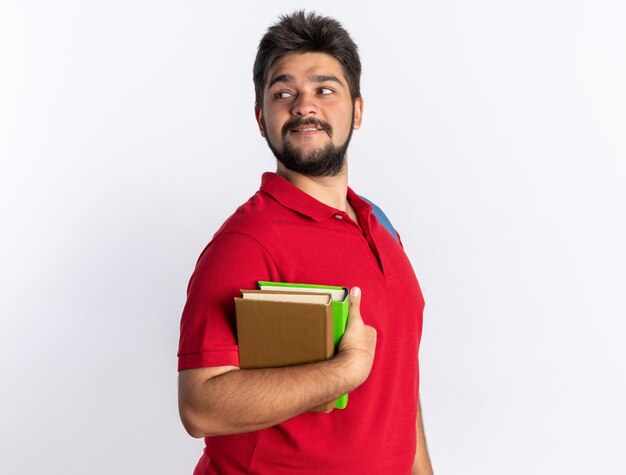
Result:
[[421, 464], [247, 400]]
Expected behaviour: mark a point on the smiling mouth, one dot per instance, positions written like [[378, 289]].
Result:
[[307, 127]]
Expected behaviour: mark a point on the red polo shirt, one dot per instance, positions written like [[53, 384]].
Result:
[[284, 234]]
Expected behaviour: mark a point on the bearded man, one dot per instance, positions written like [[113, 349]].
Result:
[[306, 225]]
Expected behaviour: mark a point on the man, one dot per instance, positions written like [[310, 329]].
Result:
[[305, 225]]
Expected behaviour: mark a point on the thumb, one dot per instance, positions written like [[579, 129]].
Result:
[[355, 303]]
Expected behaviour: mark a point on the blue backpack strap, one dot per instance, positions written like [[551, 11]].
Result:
[[382, 218]]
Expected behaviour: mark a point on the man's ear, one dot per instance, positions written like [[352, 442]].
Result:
[[258, 114], [358, 112]]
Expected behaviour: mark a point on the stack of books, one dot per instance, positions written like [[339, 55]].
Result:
[[284, 324]]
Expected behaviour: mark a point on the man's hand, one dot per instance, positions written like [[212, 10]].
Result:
[[359, 340], [227, 400]]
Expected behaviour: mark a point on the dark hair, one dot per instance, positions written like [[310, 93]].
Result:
[[302, 32]]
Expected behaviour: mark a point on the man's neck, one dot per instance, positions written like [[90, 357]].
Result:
[[330, 190]]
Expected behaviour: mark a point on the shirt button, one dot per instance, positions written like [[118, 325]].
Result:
[[338, 216]]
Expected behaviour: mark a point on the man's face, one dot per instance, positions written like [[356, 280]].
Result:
[[308, 114]]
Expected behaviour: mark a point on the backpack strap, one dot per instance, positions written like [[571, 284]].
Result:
[[382, 218]]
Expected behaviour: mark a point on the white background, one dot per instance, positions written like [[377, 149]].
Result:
[[493, 137]]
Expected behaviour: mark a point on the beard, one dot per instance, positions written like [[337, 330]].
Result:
[[326, 161]]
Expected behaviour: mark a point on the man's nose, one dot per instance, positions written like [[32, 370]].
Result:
[[304, 105]]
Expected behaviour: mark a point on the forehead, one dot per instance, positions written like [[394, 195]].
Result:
[[304, 65]]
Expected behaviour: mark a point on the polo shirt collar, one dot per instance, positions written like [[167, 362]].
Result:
[[292, 197]]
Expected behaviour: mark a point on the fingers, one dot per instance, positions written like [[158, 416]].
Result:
[[356, 329], [358, 344]]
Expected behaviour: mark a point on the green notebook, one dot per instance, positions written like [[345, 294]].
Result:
[[340, 303]]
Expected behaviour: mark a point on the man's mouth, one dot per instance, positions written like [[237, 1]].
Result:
[[306, 126], [305, 129]]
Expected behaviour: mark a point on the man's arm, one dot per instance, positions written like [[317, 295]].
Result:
[[227, 400], [421, 464]]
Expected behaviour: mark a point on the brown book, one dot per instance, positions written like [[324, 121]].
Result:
[[277, 329]]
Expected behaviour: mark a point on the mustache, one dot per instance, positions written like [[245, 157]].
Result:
[[299, 122]]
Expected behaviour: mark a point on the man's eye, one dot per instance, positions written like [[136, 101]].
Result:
[[282, 95], [325, 90]]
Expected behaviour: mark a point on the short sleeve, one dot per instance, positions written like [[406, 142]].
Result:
[[399, 240], [232, 261]]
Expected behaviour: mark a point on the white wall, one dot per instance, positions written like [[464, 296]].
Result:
[[493, 138]]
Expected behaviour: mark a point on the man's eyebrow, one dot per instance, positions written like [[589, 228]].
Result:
[[288, 78], [281, 78], [325, 78]]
